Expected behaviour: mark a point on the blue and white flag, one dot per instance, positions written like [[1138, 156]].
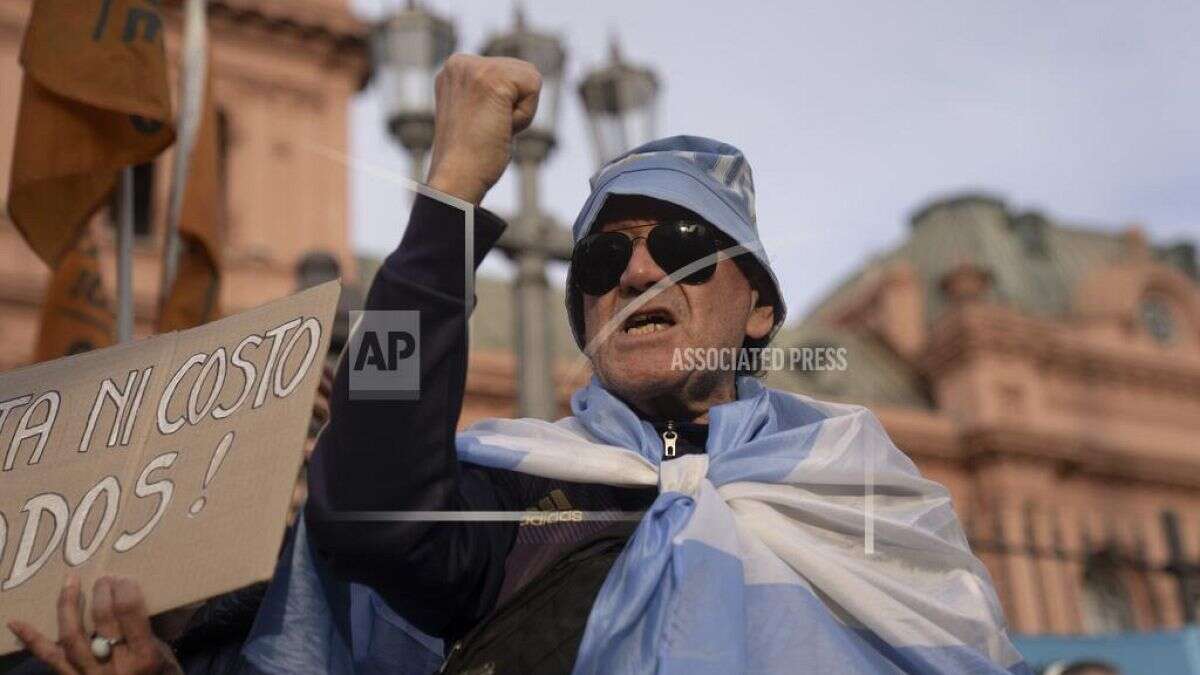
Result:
[[804, 541]]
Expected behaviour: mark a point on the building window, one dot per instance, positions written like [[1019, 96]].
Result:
[[1106, 605], [143, 200], [224, 145], [1155, 314]]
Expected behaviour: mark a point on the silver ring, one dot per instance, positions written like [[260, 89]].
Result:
[[102, 647]]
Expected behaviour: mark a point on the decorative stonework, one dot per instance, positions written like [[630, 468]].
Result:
[[966, 283]]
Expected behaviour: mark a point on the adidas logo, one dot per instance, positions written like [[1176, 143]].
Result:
[[553, 508]]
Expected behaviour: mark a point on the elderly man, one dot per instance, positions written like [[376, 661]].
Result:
[[771, 533]]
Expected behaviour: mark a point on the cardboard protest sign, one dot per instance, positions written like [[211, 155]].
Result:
[[171, 459]]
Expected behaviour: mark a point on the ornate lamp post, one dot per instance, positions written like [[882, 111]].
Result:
[[546, 53], [534, 237], [621, 101], [407, 49]]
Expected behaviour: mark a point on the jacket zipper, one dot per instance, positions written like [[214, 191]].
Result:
[[669, 437]]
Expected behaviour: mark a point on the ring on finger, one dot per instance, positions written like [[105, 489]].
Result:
[[102, 647]]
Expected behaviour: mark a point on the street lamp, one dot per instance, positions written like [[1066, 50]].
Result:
[[525, 241], [621, 102], [407, 49], [545, 52]]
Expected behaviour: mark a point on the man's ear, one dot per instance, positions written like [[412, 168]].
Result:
[[761, 319]]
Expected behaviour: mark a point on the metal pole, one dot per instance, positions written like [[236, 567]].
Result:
[[535, 377], [417, 167], [125, 257], [193, 75]]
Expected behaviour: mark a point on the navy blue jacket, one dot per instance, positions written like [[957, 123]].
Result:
[[400, 455]]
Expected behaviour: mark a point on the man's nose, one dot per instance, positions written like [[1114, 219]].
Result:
[[642, 272]]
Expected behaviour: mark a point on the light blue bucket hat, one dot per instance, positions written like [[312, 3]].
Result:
[[708, 177]]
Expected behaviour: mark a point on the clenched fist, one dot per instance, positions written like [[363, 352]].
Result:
[[482, 101]]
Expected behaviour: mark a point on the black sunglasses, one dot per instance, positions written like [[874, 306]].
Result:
[[600, 259]]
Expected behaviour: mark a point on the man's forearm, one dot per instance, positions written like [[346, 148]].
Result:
[[400, 455], [366, 454]]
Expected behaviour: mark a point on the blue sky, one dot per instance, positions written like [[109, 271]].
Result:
[[854, 114]]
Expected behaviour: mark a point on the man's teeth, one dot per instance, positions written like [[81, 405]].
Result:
[[652, 327]]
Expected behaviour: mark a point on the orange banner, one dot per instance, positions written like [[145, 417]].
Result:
[[76, 316], [94, 99]]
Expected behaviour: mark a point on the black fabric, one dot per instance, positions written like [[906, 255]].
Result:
[[212, 642], [538, 630], [399, 455], [23, 663]]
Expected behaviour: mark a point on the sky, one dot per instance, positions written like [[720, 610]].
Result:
[[854, 114]]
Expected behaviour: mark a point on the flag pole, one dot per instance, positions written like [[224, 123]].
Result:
[[125, 256], [193, 68]]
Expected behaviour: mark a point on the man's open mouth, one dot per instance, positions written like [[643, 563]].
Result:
[[646, 322]]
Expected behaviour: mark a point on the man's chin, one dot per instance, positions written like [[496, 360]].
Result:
[[634, 383]]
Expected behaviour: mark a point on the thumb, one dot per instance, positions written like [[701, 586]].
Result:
[[524, 110]]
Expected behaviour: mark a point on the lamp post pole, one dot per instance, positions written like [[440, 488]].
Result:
[[528, 243], [621, 100], [535, 355]]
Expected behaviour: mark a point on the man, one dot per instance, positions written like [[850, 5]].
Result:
[[854, 563]]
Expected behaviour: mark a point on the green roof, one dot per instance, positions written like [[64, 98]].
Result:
[[1035, 263]]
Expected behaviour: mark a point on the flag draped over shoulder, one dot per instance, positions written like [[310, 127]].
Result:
[[802, 541], [94, 100]]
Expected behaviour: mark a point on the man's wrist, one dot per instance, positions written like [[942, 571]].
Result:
[[458, 184]]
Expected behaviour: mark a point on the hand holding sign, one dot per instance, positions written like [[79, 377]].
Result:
[[174, 453], [119, 614]]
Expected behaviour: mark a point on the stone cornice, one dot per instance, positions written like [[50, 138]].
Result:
[[310, 19], [983, 328], [1078, 456], [335, 36]]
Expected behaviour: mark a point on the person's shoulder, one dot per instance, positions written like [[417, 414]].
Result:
[[826, 409], [529, 426]]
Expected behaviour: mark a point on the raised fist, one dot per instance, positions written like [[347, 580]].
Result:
[[482, 101]]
